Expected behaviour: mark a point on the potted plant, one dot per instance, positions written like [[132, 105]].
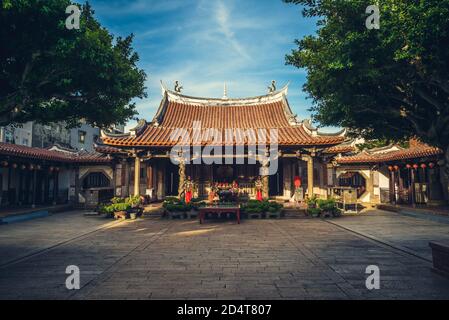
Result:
[[136, 209], [176, 210], [274, 209], [121, 210], [329, 208], [254, 209]]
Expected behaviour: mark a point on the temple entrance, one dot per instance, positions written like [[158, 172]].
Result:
[[276, 181], [353, 180], [171, 179]]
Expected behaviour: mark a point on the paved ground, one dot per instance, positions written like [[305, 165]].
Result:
[[259, 259], [411, 233]]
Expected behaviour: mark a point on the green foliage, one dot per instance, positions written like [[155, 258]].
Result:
[[134, 201], [49, 73], [320, 206], [178, 207], [386, 84], [117, 200], [255, 206], [312, 202], [314, 211]]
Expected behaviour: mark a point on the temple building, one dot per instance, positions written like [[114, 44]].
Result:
[[31, 177], [145, 167], [396, 175], [256, 142]]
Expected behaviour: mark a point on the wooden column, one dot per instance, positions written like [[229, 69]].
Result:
[[412, 182], [33, 201], [310, 176], [20, 193], [393, 186], [9, 185], [265, 181], [136, 176], [150, 180], [182, 176], [55, 186]]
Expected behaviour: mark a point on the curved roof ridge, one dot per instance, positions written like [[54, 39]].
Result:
[[266, 98]]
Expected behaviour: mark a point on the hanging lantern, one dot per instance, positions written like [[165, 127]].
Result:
[[423, 165], [31, 167], [38, 167], [14, 165], [431, 165], [50, 169], [57, 169], [408, 166], [4, 163], [297, 181], [390, 168], [23, 167], [396, 168], [415, 166]]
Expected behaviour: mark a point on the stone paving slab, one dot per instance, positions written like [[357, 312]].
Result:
[[27, 237], [410, 233], [259, 259]]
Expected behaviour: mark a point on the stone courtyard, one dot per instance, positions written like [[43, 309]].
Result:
[[259, 259]]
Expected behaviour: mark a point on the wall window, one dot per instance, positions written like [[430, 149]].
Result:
[[81, 136], [95, 180]]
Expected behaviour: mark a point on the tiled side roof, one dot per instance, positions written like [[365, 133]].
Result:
[[50, 155], [339, 149], [414, 152]]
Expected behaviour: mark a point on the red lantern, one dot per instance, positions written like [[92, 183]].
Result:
[[390, 168], [431, 165], [297, 181], [396, 168], [423, 165], [415, 166], [408, 166]]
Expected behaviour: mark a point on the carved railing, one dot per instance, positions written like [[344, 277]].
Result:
[[245, 189]]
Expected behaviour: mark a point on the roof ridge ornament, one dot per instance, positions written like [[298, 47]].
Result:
[[225, 92], [272, 87], [178, 88]]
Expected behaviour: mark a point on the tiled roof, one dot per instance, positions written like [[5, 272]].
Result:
[[339, 149], [414, 152], [8, 149], [264, 112]]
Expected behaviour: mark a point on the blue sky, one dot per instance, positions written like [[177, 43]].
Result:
[[205, 43]]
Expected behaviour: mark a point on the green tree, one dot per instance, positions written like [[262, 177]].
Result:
[[50, 73], [390, 83]]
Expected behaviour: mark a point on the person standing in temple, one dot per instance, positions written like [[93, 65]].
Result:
[[188, 189], [299, 193], [259, 186]]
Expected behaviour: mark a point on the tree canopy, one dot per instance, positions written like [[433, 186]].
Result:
[[391, 83], [50, 73]]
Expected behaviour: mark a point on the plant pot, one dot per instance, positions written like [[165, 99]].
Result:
[[120, 215], [192, 214], [176, 214], [276, 214]]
